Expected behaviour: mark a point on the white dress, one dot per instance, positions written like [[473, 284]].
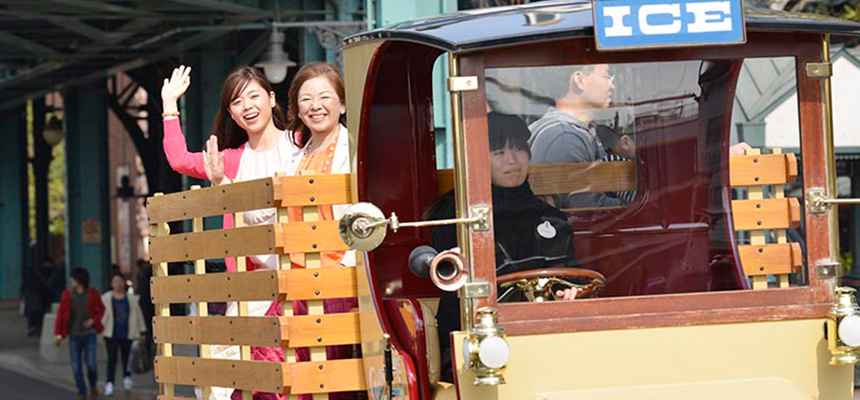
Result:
[[255, 165]]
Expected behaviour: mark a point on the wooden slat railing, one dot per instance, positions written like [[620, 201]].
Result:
[[766, 255], [312, 284]]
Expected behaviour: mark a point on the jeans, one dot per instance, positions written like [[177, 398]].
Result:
[[87, 345], [124, 346]]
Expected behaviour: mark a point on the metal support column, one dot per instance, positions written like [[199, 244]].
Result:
[[210, 66], [87, 182], [42, 157], [14, 233]]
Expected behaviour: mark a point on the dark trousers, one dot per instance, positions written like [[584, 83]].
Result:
[[87, 345], [114, 344]]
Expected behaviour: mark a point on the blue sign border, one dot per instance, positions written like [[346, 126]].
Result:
[[639, 40]]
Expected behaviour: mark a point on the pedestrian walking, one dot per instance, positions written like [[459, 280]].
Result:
[[123, 322], [80, 319]]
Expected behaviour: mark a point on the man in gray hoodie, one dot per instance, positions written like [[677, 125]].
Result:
[[565, 134]]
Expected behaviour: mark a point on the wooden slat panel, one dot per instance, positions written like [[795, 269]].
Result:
[[323, 330], [319, 283], [216, 200], [235, 242], [765, 214], [256, 285], [251, 331], [771, 259], [307, 237], [247, 375], [765, 169], [327, 376], [596, 177], [312, 190]]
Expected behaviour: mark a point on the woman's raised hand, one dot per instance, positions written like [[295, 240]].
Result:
[[174, 87], [213, 161]]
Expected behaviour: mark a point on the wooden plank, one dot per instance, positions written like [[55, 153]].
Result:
[[216, 200], [778, 192], [760, 214], [765, 169], [307, 237], [771, 259], [202, 307], [545, 179], [327, 376], [255, 285], [246, 375], [323, 330], [315, 307], [242, 306], [312, 190], [234, 242], [319, 283], [251, 331], [160, 271]]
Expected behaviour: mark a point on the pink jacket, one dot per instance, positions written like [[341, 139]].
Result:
[[191, 164]]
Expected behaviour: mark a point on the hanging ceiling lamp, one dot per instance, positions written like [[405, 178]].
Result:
[[53, 131], [275, 60]]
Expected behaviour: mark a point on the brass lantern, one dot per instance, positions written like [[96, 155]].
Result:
[[843, 328]]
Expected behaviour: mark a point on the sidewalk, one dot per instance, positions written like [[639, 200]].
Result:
[[20, 354]]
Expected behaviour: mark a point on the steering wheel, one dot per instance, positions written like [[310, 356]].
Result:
[[537, 284]]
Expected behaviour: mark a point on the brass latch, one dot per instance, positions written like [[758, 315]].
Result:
[[817, 201], [462, 83], [819, 70]]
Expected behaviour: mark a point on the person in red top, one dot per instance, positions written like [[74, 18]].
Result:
[[80, 318]]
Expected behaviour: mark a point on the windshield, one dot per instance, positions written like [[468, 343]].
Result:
[[632, 170]]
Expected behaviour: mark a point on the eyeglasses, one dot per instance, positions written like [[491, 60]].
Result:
[[609, 77]]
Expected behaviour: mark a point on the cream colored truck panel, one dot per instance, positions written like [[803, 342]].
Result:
[[753, 361]]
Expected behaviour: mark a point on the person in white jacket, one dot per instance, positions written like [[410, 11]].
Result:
[[123, 322]]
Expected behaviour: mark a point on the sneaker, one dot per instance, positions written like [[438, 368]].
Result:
[[109, 389], [127, 383]]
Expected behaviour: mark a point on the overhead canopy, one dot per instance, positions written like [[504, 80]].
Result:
[[485, 28], [50, 44]]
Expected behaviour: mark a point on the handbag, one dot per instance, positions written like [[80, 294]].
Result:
[[141, 358]]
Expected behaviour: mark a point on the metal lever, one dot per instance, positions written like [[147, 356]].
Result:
[[818, 201], [479, 219], [362, 226]]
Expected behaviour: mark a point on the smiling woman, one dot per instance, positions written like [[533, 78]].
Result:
[[250, 140]]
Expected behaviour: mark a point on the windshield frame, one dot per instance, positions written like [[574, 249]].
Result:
[[811, 301]]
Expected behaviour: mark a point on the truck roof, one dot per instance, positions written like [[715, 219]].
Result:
[[472, 30]]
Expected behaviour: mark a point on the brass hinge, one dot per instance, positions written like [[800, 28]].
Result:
[[819, 70], [828, 269], [474, 290], [462, 83]]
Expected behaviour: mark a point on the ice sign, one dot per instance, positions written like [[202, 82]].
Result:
[[630, 24]]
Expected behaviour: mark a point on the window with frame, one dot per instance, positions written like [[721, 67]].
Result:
[[651, 174]]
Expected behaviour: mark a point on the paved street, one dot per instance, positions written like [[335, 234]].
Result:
[[24, 375], [15, 386]]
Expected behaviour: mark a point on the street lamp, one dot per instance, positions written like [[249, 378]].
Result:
[[53, 132], [275, 60]]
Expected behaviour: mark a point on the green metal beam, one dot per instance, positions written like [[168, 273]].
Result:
[[226, 6], [14, 233], [25, 44]]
